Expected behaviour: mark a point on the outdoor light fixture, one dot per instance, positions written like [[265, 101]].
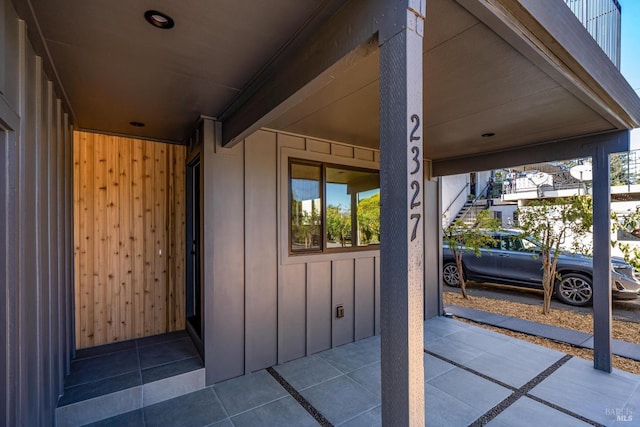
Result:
[[137, 124], [488, 135], [159, 19]]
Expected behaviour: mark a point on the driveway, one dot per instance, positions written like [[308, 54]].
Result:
[[622, 310]]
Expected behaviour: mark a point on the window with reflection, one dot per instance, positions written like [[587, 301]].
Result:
[[306, 207], [333, 207], [353, 207]]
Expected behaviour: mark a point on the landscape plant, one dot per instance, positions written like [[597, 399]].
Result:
[[628, 223], [549, 223], [464, 237]]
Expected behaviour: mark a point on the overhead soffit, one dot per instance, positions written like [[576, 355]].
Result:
[[116, 68], [474, 83], [126, 70]]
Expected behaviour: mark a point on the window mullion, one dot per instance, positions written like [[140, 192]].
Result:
[[323, 198]]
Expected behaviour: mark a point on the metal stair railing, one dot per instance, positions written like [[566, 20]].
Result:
[[444, 214], [472, 206]]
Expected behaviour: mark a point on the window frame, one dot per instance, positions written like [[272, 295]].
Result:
[[323, 183], [322, 208]]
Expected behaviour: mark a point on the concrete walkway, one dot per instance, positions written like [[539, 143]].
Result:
[[569, 336], [473, 377]]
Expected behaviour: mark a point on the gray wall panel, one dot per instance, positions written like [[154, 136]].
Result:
[[2, 47], [69, 290], [331, 276], [5, 274], [319, 309], [432, 249], [377, 296], [287, 303], [29, 301], [292, 312], [364, 298], [227, 329], [30, 233], [61, 254], [261, 265], [207, 152], [11, 54], [42, 221], [342, 294], [43, 214]]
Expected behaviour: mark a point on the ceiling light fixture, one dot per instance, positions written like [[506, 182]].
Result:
[[159, 19], [137, 124], [487, 135]]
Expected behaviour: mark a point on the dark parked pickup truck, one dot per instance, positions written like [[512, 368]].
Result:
[[515, 261]]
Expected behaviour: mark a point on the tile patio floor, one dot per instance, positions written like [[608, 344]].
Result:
[[127, 375], [472, 377]]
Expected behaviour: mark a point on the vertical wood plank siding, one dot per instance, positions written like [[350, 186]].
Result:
[[129, 238]]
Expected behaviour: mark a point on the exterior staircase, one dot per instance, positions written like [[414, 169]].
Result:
[[470, 210]]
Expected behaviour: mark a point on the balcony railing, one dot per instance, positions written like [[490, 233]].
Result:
[[602, 20], [555, 179]]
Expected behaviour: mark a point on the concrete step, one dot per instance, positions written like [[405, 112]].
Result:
[[117, 378]]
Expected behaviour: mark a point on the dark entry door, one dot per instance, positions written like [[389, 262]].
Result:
[[194, 306]]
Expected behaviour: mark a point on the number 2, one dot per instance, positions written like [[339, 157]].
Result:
[[415, 119], [416, 187]]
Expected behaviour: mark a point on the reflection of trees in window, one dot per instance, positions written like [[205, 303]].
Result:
[[353, 203], [369, 219], [306, 205], [350, 198], [338, 226]]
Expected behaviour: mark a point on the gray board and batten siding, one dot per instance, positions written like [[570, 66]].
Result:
[[264, 306], [36, 231]]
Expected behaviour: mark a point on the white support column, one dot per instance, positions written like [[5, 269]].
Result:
[[402, 216], [601, 260]]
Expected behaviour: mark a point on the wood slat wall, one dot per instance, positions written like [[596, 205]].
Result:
[[129, 238]]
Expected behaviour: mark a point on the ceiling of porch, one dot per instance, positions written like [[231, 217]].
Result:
[[116, 69]]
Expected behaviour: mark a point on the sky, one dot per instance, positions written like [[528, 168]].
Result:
[[630, 52]]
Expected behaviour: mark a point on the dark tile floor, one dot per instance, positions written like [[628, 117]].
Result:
[[97, 371], [468, 381]]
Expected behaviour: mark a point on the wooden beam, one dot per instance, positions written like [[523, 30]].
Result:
[[563, 149], [329, 44]]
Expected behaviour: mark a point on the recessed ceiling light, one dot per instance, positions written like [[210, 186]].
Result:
[[158, 19], [488, 135], [137, 124]]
